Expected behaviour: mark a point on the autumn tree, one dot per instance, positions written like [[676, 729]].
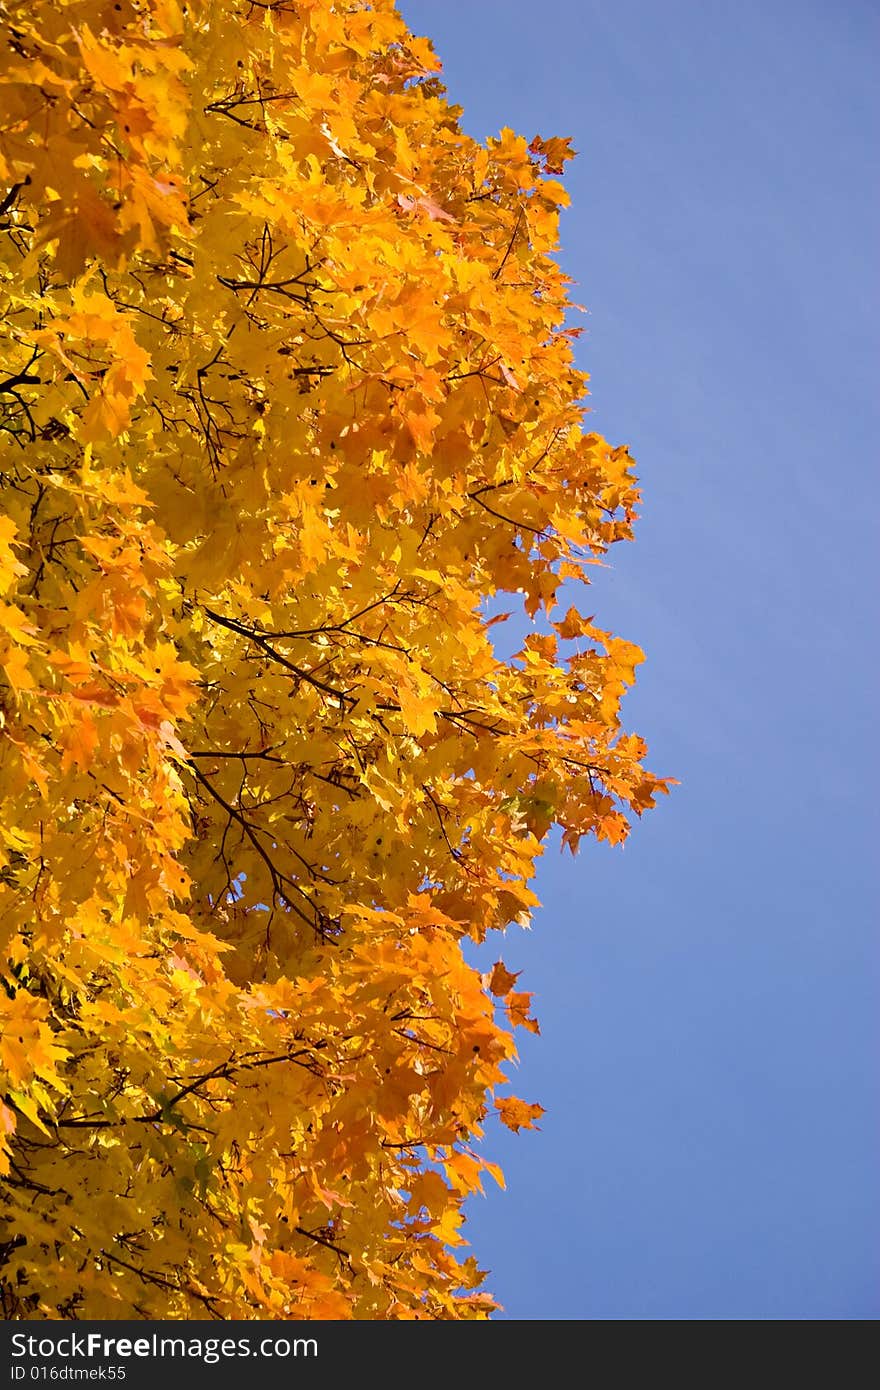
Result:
[[287, 401]]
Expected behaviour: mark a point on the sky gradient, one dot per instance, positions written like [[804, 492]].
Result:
[[708, 995]]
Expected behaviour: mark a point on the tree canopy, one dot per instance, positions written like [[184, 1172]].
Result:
[[287, 408]]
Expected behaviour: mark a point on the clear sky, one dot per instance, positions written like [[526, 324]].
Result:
[[709, 995]]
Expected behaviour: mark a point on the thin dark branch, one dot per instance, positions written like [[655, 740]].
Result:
[[511, 521], [279, 880], [497, 271], [261, 641]]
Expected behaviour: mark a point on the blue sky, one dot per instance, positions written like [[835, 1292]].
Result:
[[708, 995]]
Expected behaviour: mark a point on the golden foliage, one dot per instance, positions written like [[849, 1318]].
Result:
[[286, 397]]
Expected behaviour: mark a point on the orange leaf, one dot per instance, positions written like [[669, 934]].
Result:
[[501, 981], [518, 1114], [518, 1006]]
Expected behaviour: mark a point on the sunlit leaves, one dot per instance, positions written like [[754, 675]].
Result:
[[287, 400]]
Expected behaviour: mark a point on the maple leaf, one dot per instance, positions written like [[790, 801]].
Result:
[[10, 567], [518, 1114], [555, 152], [518, 1006], [7, 1129], [501, 981], [79, 743]]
